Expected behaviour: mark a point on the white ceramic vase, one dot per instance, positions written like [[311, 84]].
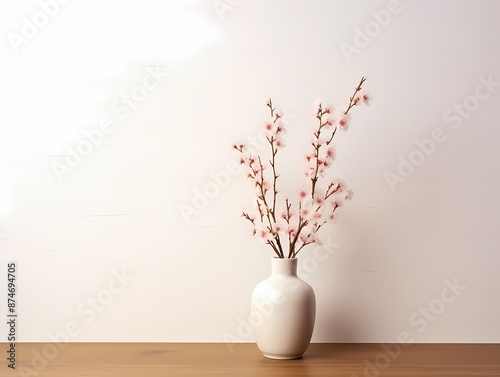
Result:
[[283, 311]]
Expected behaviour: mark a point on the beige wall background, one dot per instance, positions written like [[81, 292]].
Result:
[[120, 205]]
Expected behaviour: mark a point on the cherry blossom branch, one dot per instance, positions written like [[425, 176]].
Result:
[[274, 152], [329, 193], [275, 249], [353, 101], [269, 104], [239, 147], [331, 138], [247, 216], [316, 146], [260, 210], [299, 229], [268, 210], [252, 220], [275, 191], [312, 214], [275, 176], [300, 248], [287, 216]]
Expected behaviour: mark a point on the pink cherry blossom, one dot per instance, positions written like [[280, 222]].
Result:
[[319, 192], [303, 238], [345, 122], [317, 215], [349, 194], [327, 109], [278, 127], [302, 194], [328, 120], [264, 235], [278, 142], [305, 212], [331, 153], [308, 236], [333, 216], [318, 199], [367, 97], [240, 146], [310, 157], [337, 203]]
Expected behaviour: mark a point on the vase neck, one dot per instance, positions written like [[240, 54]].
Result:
[[284, 266]]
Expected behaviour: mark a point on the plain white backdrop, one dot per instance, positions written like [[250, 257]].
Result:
[[98, 226]]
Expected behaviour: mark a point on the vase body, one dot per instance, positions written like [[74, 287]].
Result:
[[283, 310]]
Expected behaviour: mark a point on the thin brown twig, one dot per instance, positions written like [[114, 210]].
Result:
[[353, 101], [268, 211]]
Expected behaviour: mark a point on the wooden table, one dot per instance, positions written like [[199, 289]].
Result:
[[239, 360]]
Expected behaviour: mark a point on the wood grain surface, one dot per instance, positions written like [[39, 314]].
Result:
[[219, 359]]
